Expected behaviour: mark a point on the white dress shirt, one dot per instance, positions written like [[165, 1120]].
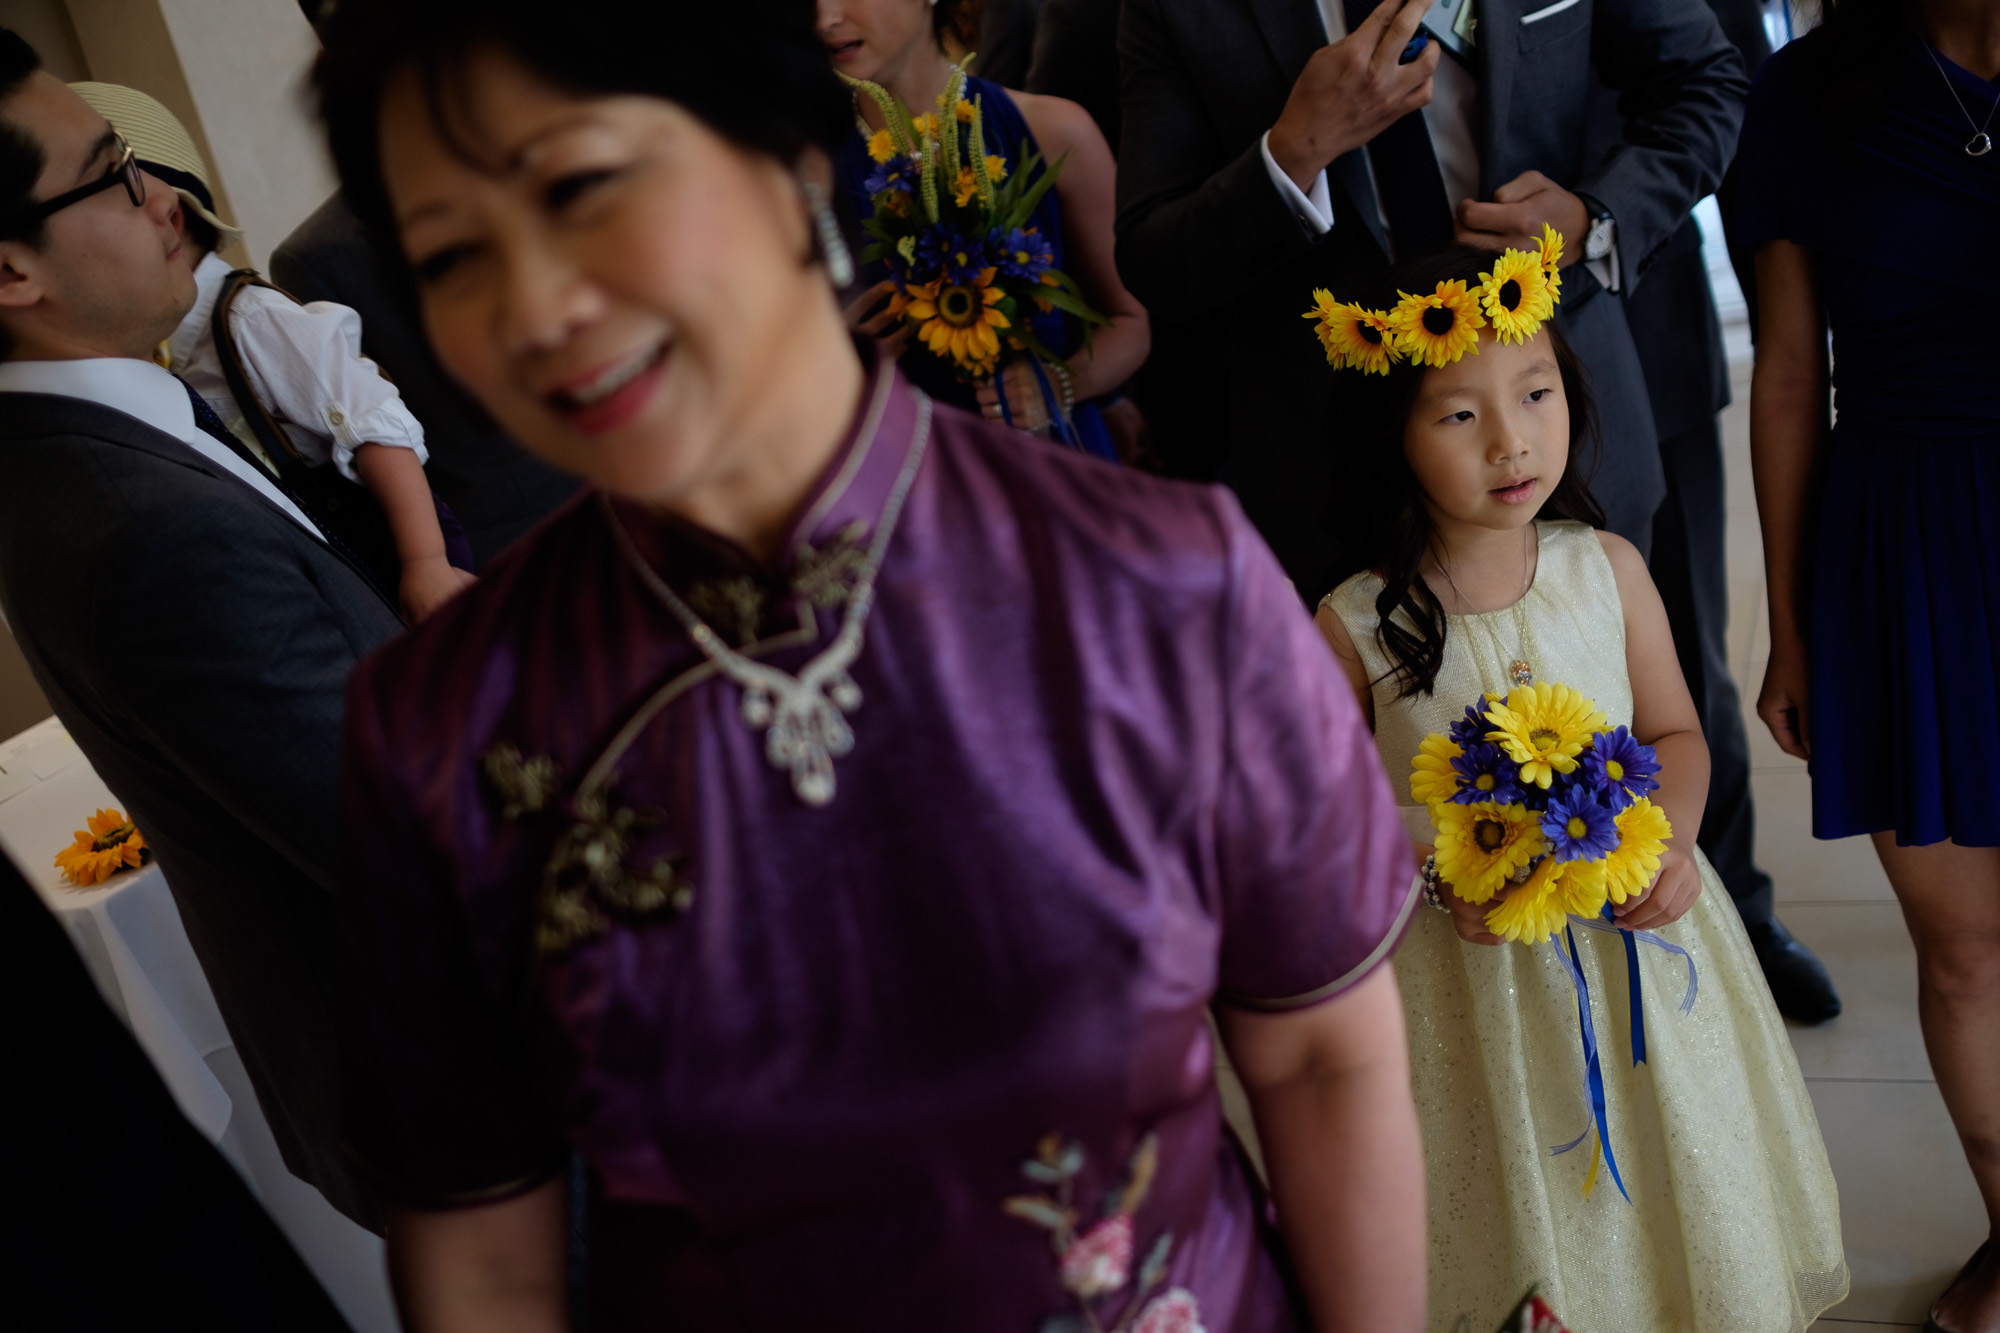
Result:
[[143, 390], [1449, 118], [303, 362]]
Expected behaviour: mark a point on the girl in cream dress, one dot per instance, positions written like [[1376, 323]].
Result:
[[1732, 1222]]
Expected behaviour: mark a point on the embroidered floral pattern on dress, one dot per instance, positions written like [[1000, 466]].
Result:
[[823, 576], [1095, 1263], [586, 873]]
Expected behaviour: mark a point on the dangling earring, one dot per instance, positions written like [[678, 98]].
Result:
[[832, 245]]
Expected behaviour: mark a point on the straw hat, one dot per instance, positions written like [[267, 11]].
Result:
[[161, 143]]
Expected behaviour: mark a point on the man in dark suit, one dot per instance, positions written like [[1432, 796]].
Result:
[[1674, 326], [495, 489], [1260, 160], [188, 623]]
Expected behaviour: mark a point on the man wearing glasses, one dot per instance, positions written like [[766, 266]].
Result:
[[190, 625]]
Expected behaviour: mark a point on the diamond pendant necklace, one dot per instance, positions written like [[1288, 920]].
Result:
[[802, 716], [1981, 143]]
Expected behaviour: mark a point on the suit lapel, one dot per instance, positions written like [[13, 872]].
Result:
[[1497, 45]]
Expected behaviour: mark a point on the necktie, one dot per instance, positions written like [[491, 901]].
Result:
[[1407, 179], [211, 424]]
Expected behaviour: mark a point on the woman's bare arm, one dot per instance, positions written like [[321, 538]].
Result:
[[1088, 190], [1664, 717], [1329, 1087], [1788, 419], [491, 1268]]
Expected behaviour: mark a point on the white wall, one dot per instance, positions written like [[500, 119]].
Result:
[[246, 63]]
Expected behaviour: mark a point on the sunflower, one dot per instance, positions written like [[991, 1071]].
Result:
[[1643, 830], [1515, 296], [882, 145], [1543, 728], [1480, 846], [1438, 329], [1434, 779], [1537, 909], [1551, 247], [111, 844], [958, 320], [1354, 338]]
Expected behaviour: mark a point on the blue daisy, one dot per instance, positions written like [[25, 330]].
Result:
[[1620, 767], [896, 174], [1485, 773], [1026, 255], [959, 258], [1579, 828], [1471, 729]]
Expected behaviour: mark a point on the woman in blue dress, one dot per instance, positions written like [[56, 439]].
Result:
[[1872, 197], [900, 45]]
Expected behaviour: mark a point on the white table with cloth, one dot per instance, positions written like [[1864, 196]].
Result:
[[129, 933]]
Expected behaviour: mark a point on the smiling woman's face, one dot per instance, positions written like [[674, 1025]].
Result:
[[618, 284], [1488, 435]]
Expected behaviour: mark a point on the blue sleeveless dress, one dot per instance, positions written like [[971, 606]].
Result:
[[1006, 135], [1903, 584]]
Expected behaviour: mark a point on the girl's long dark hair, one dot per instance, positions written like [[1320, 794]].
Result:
[[1393, 527]]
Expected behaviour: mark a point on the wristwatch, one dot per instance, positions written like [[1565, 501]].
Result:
[[1603, 229]]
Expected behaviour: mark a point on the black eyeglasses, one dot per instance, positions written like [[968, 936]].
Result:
[[125, 171]]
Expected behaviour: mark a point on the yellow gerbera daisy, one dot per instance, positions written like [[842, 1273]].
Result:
[[1354, 338], [1438, 329], [996, 168], [1537, 909], [924, 126], [1433, 778], [881, 145], [1515, 296], [1643, 830], [1543, 728], [1584, 887], [963, 111], [965, 187], [109, 845], [1480, 845], [1551, 246], [961, 321]]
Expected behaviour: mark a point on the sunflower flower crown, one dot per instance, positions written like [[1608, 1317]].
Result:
[[1535, 798], [1437, 328]]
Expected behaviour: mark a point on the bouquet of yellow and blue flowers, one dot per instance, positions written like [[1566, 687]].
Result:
[[952, 222], [1533, 796]]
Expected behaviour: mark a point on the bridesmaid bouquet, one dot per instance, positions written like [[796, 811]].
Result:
[[1531, 794], [952, 224]]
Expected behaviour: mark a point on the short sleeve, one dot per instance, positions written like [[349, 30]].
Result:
[[442, 1106], [1317, 878], [1770, 156]]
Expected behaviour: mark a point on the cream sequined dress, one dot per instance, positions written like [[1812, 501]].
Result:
[[1733, 1223]]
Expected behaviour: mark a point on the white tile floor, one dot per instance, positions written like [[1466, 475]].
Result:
[[1908, 1209]]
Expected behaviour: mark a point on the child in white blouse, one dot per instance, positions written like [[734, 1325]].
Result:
[[302, 361]]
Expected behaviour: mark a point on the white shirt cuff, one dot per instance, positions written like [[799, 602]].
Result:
[[1314, 207], [1605, 270]]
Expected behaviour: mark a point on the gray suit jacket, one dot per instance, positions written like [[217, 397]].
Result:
[[197, 644], [1203, 234]]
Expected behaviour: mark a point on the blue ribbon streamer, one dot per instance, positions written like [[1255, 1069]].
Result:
[[1593, 1070], [1065, 429]]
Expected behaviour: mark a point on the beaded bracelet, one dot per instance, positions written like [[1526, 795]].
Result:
[[1432, 883], [1068, 387]]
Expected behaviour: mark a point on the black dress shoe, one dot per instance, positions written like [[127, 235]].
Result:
[[1798, 981]]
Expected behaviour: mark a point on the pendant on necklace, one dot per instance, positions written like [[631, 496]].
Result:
[[1520, 672], [1979, 145]]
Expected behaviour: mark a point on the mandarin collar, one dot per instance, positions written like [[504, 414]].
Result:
[[853, 487]]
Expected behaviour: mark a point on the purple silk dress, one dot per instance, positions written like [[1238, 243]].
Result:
[[932, 1054]]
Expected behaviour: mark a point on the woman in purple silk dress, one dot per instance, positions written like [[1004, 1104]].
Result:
[[835, 826]]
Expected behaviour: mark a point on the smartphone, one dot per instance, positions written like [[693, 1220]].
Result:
[[1450, 23]]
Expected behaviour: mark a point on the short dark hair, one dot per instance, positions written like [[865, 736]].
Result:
[[754, 71], [21, 156], [1391, 527]]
